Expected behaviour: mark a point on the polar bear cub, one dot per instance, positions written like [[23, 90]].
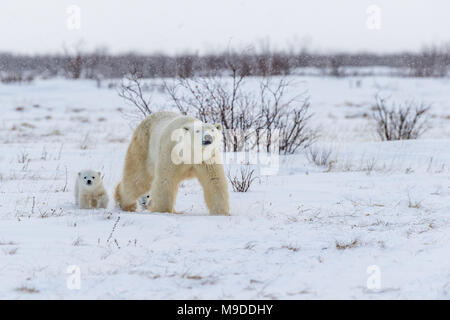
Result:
[[89, 190]]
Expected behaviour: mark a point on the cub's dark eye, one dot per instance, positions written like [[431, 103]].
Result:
[[85, 177], [148, 196], [93, 177]]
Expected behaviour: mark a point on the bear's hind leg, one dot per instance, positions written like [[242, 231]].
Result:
[[130, 189], [123, 199]]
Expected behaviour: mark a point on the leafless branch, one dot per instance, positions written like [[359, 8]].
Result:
[[131, 89]]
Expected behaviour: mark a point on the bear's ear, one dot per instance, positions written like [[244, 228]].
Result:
[[218, 126], [79, 173]]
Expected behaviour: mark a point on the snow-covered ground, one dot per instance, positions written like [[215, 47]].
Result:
[[307, 232]]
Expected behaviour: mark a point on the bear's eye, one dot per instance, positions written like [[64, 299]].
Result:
[[85, 177], [93, 177], [148, 196]]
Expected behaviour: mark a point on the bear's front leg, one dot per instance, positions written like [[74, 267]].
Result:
[[215, 188], [94, 203], [85, 201]]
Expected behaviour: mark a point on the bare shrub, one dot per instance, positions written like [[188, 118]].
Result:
[[402, 122], [288, 116], [336, 64], [244, 114], [132, 90], [243, 179], [74, 60]]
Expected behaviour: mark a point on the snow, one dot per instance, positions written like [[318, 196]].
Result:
[[307, 232]]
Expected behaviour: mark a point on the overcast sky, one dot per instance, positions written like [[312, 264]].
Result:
[[174, 26]]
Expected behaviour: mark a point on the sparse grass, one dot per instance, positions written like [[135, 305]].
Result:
[[77, 242], [370, 165], [321, 157], [25, 289], [77, 110], [46, 213], [28, 125], [204, 280], [80, 119], [86, 142], [414, 204], [113, 230], [7, 243], [10, 251], [55, 133], [44, 154], [249, 246], [191, 276], [342, 245], [116, 140], [291, 247], [23, 157]]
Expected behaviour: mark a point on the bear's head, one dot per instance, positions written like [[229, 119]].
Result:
[[197, 142], [89, 179], [205, 133]]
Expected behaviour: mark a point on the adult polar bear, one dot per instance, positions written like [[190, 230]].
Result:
[[154, 162]]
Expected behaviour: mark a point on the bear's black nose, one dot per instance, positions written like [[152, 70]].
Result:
[[89, 182], [207, 139]]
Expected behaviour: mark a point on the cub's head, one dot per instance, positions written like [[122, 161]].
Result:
[[89, 178], [145, 200]]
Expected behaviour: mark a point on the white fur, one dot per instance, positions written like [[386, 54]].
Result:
[[166, 149]]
